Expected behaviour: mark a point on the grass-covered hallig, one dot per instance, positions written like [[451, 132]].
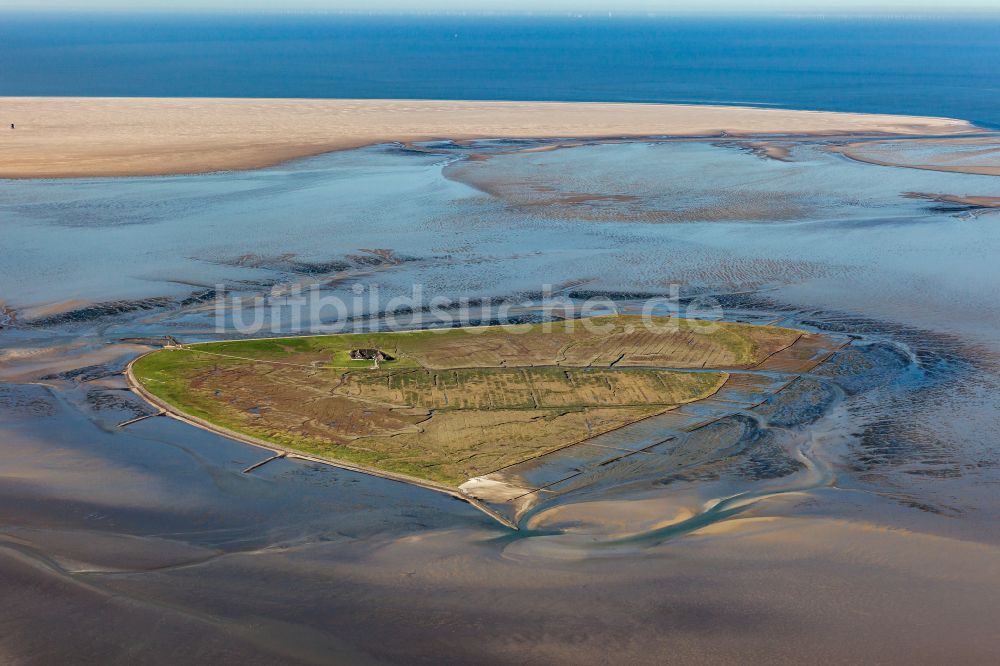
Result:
[[453, 403]]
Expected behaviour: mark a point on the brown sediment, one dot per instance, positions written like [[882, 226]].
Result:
[[765, 149], [970, 201], [585, 198], [50, 309], [539, 194], [880, 153], [32, 364], [77, 137], [772, 151]]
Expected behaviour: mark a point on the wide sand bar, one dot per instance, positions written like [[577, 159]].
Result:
[[105, 136]]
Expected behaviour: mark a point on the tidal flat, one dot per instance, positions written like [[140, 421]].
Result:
[[843, 510]]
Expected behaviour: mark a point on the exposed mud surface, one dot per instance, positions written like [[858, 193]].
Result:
[[865, 367], [871, 477], [97, 311], [25, 401]]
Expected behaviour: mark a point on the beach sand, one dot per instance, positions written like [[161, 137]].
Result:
[[77, 137]]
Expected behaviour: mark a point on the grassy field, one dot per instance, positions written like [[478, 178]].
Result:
[[456, 403]]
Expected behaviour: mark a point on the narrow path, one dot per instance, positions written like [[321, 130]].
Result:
[[276, 456], [140, 418]]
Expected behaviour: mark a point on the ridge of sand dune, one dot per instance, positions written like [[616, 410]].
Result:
[[75, 136]]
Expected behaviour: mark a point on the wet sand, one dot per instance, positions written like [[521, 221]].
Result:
[[154, 530], [69, 137], [970, 202], [851, 520], [971, 155]]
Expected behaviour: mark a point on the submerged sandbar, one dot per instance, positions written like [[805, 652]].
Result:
[[59, 137]]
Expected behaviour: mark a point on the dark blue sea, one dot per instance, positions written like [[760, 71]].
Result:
[[929, 66]]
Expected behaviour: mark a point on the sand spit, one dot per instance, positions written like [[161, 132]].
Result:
[[978, 155], [967, 202], [79, 137]]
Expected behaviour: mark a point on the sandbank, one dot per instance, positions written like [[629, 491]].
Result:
[[59, 137]]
